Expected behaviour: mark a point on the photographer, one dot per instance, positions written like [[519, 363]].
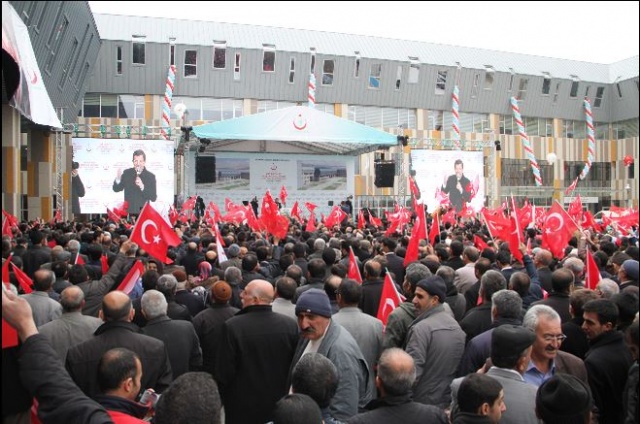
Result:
[[77, 189]]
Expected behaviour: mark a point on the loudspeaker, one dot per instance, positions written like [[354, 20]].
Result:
[[205, 169], [384, 174]]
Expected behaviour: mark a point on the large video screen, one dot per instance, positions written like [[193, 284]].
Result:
[[457, 175], [113, 170]]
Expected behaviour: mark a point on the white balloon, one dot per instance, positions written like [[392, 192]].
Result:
[[551, 158], [180, 109]]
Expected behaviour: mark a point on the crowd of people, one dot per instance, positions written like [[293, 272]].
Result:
[[276, 331]]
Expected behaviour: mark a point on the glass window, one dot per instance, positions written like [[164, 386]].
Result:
[[292, 69], [138, 47], [236, 68], [219, 55], [398, 77], [268, 58], [172, 51], [190, 63], [327, 72], [108, 106], [601, 130], [356, 66], [474, 88], [517, 172], [586, 91], [130, 107], [119, 60], [441, 82], [556, 92], [91, 105], [69, 63], [574, 89], [414, 73], [619, 88], [312, 67], [511, 80], [488, 77], [546, 85], [212, 110], [436, 120], [522, 88], [55, 42], [374, 75], [599, 96]]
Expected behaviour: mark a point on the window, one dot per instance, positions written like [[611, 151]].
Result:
[[172, 51], [327, 72], [488, 77], [619, 90], [219, 54], [29, 12], [91, 106], [599, 96], [57, 35], [436, 120], [130, 107], [374, 75], [574, 89], [601, 130], [356, 66], [312, 68], [68, 63], [190, 63], [138, 46], [556, 92], [414, 70], [441, 82], [382, 117], [83, 73], [507, 125], [511, 79], [398, 77], [522, 88], [55, 31], [586, 91], [43, 15], [108, 106], [517, 172], [268, 58], [236, 68], [546, 84], [474, 88], [292, 69], [118, 60]]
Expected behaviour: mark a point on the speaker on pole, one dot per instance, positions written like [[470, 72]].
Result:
[[385, 174], [205, 169]]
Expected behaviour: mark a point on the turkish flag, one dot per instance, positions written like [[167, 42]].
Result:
[[295, 212], [5, 269], [23, 279], [311, 223], [154, 241], [78, 260], [220, 248], [414, 188], [389, 299], [434, 231], [310, 206], [361, 220], [419, 232], [515, 238], [112, 216], [479, 243], [8, 221], [575, 209], [498, 225], [571, 187], [104, 264], [336, 216], [283, 194], [557, 230], [592, 277], [376, 222], [130, 280], [9, 334], [354, 271]]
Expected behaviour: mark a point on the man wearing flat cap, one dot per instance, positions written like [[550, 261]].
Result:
[[628, 275], [564, 398], [510, 355], [436, 343], [322, 335]]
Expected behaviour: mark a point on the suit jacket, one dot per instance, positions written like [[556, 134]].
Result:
[[371, 294], [559, 302], [457, 198], [77, 191], [70, 329], [132, 193], [396, 265], [82, 360], [181, 341], [576, 343], [465, 277], [519, 397], [208, 326]]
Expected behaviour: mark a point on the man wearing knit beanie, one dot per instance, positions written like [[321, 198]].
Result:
[[318, 333]]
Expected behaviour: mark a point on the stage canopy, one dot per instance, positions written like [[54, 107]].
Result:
[[300, 126]]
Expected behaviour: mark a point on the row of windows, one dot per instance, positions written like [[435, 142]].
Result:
[[214, 109], [190, 70], [517, 172]]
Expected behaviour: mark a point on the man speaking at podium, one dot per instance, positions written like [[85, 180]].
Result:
[[138, 183], [457, 186]]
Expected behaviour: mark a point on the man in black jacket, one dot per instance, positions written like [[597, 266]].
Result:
[[608, 359], [138, 183], [457, 186]]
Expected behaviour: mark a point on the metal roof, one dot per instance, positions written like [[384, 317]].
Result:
[[203, 33]]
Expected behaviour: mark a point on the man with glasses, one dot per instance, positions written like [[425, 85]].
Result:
[[546, 357], [138, 183]]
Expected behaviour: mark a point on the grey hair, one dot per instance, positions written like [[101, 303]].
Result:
[[574, 264], [167, 283], [154, 304], [233, 275], [491, 282], [416, 272], [73, 246], [532, 317], [508, 303], [396, 379], [319, 244], [608, 287]]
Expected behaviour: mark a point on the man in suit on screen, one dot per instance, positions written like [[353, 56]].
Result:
[[138, 183]]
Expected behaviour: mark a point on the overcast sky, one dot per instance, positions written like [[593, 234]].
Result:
[[598, 31]]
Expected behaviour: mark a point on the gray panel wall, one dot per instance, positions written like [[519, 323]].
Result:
[[256, 84]]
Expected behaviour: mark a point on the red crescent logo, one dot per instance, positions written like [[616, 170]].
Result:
[[300, 123], [34, 80]]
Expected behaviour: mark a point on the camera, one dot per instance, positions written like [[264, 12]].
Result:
[[149, 398], [75, 165]]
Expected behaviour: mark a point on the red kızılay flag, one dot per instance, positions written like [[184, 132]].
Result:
[[353, 271], [130, 280], [592, 276], [557, 230], [389, 299], [283, 194], [153, 234]]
